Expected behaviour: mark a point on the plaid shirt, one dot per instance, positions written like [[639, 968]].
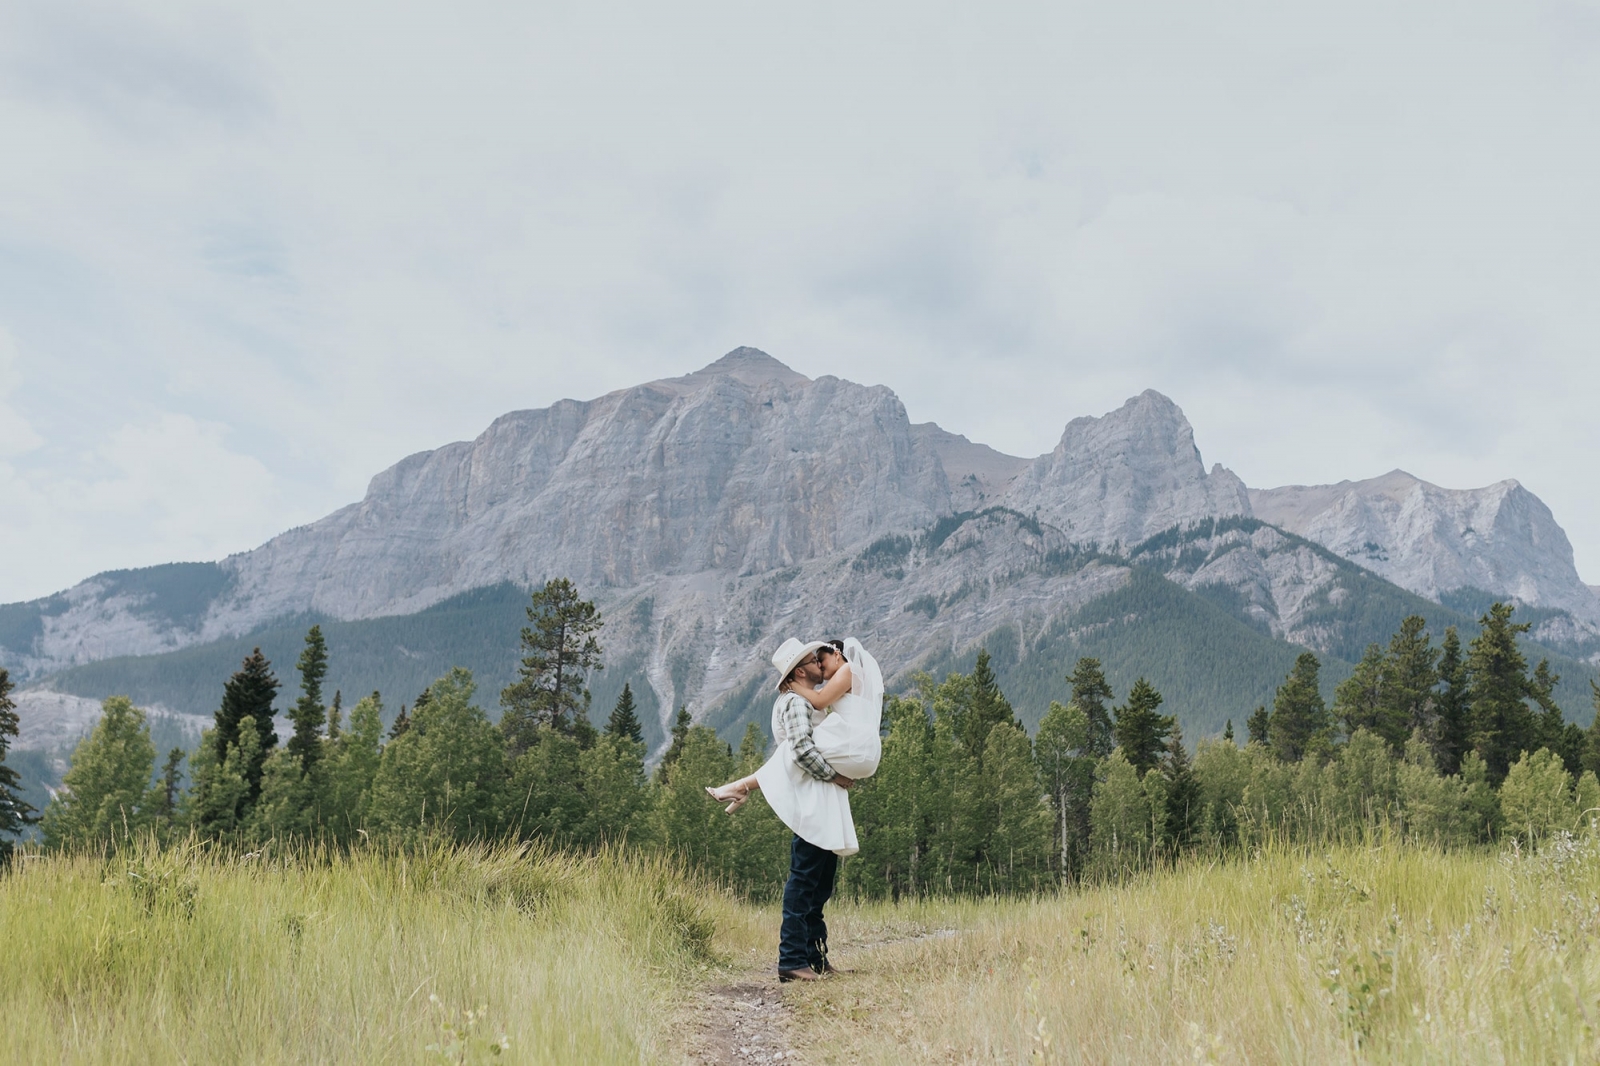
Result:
[[791, 718]]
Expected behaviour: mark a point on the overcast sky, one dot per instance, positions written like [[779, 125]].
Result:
[[251, 254]]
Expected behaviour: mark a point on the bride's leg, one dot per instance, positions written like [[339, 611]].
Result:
[[734, 793], [735, 789]]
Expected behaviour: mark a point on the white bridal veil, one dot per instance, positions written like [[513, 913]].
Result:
[[848, 738]]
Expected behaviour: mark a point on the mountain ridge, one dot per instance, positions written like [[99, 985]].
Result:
[[713, 513]]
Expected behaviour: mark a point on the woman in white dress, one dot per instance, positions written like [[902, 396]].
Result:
[[850, 702]]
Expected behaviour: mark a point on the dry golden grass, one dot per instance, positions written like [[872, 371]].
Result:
[[1382, 954], [452, 955], [1355, 954]]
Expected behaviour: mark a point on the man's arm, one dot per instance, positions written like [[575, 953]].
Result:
[[796, 720]]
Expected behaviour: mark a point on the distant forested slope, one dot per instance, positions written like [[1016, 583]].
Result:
[[1198, 648], [397, 656]]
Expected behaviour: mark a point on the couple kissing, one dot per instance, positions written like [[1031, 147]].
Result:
[[826, 723]]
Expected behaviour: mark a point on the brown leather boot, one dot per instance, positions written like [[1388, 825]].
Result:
[[805, 973]]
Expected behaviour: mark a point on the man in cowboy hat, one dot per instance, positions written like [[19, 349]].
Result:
[[803, 937]]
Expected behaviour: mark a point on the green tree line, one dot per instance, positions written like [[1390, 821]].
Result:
[[1448, 744]]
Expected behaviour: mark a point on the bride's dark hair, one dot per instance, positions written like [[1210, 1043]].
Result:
[[838, 646]]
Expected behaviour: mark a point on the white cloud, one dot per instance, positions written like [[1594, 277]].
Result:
[[1345, 239], [164, 490], [16, 434]]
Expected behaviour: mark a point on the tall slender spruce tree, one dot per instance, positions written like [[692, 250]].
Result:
[[227, 791], [1411, 674], [1258, 727], [1358, 702], [1182, 795], [1300, 722], [986, 707], [624, 721], [1564, 738], [559, 650], [1497, 683], [171, 784], [1091, 692], [1453, 735], [309, 715], [680, 736], [1142, 732]]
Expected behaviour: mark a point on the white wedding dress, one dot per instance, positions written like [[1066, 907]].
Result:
[[847, 736]]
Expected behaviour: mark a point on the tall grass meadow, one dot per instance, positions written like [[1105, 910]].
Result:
[[448, 953]]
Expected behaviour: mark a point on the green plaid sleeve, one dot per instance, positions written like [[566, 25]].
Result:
[[796, 721]]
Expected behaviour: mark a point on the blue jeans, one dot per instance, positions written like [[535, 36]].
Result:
[[803, 937]]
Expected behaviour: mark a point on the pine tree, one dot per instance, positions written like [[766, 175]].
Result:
[[308, 714], [15, 814], [560, 648], [1410, 674], [680, 735], [1557, 734], [1183, 806], [624, 722], [1453, 736], [1497, 683], [1358, 701], [333, 715], [986, 707], [246, 707], [1258, 728], [402, 721], [1142, 733], [171, 780], [1227, 732], [1300, 721], [1091, 693]]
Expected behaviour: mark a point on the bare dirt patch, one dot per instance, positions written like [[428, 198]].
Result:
[[736, 1024], [756, 1018]]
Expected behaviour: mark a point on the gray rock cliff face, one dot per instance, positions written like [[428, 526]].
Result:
[[740, 469], [1122, 478], [714, 514], [743, 467], [1500, 538]]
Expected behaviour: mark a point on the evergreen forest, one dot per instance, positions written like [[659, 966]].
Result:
[[1449, 739]]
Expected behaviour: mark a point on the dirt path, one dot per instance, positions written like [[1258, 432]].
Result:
[[752, 1019], [730, 1025]]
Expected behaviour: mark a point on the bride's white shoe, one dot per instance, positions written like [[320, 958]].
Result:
[[729, 792]]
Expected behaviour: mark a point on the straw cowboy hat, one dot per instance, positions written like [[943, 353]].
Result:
[[791, 652]]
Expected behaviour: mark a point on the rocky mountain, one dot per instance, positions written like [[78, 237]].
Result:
[[1500, 540], [713, 514], [742, 468], [1117, 480]]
